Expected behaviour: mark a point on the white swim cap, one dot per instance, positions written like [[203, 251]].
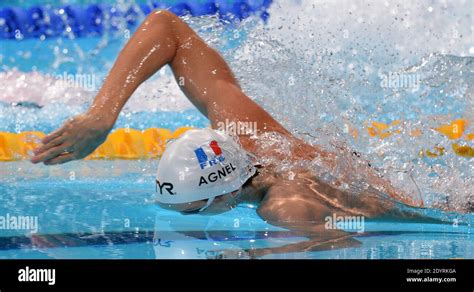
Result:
[[201, 164]]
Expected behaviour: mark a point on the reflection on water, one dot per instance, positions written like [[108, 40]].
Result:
[[204, 240]]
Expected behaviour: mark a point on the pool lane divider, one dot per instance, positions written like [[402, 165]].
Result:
[[453, 131], [132, 144], [120, 144], [47, 21]]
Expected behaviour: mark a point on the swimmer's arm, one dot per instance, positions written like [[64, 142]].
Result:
[[288, 205], [291, 204], [155, 44], [200, 71], [162, 39]]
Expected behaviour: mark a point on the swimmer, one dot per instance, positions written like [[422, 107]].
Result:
[[207, 171]]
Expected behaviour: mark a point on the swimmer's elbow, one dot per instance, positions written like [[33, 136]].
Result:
[[162, 15], [162, 19]]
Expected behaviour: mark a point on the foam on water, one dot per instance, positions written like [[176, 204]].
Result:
[[318, 67]]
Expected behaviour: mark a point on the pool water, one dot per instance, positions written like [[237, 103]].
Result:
[[104, 209], [328, 57]]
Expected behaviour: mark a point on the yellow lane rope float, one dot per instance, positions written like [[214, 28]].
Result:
[[150, 143], [453, 131], [120, 144], [381, 130]]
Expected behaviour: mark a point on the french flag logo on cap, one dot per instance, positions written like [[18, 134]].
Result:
[[216, 156]]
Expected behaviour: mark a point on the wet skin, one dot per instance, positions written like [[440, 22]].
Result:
[[299, 200]]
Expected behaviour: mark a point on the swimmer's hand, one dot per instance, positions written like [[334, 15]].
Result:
[[76, 139]]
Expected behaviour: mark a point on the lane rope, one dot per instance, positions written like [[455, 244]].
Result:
[[127, 143]]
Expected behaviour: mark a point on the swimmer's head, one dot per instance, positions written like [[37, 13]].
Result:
[[202, 170]]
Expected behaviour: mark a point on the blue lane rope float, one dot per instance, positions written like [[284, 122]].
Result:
[[47, 21]]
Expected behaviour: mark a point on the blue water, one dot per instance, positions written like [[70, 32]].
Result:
[[104, 209]]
